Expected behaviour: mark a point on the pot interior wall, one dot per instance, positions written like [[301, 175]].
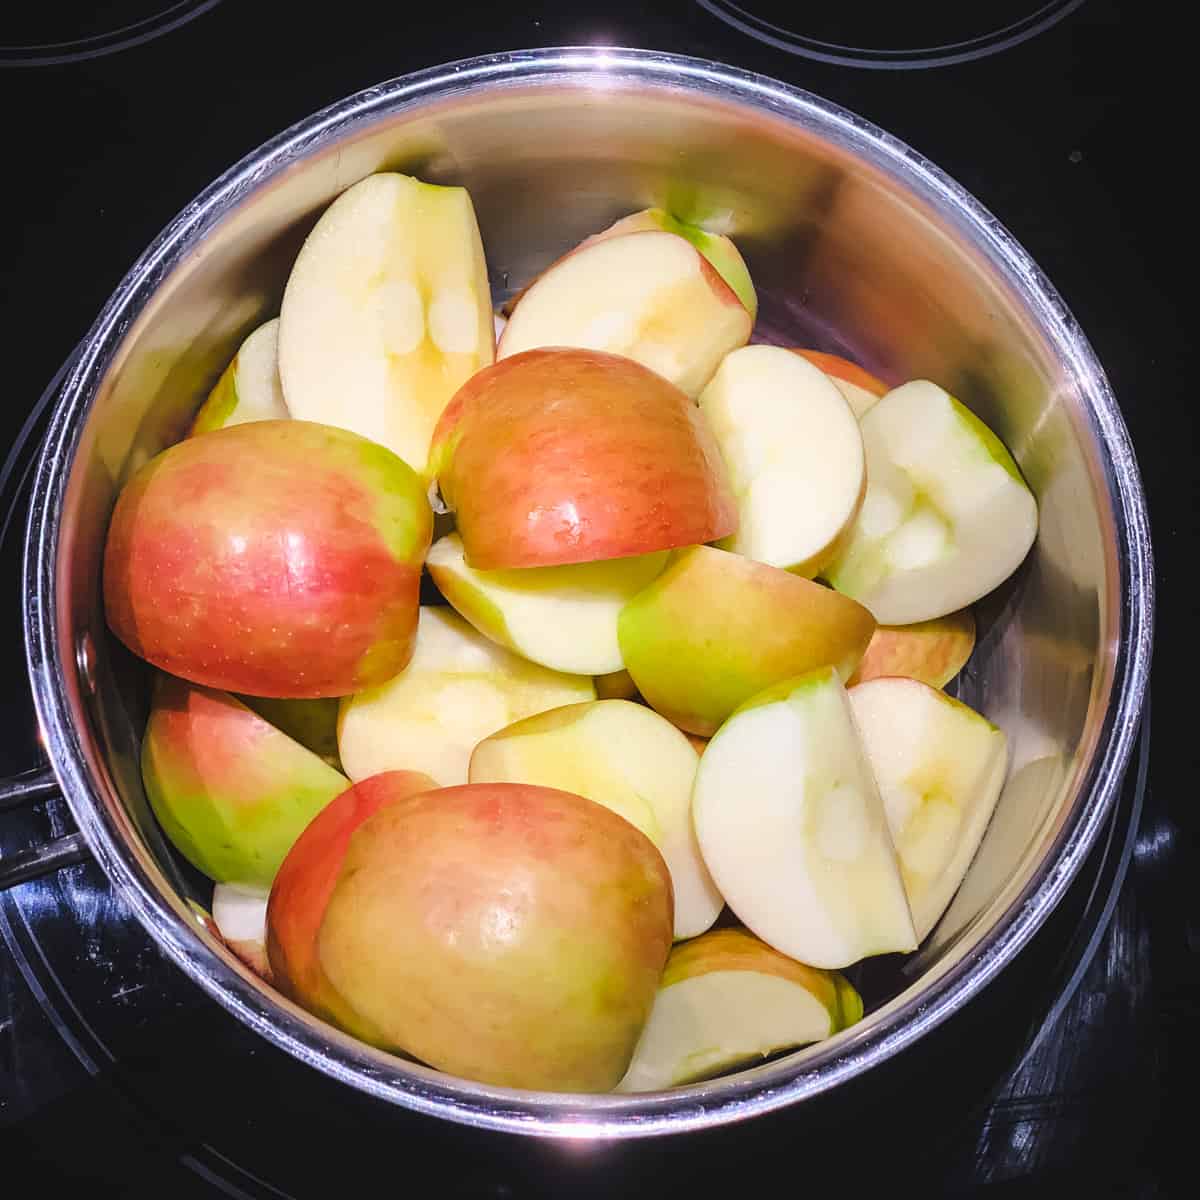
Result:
[[844, 259]]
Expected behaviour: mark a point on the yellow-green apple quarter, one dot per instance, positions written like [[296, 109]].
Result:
[[563, 617], [947, 516], [566, 456], [651, 296], [931, 651], [793, 829], [240, 915], [387, 311], [715, 628], [616, 685], [249, 388], [940, 767], [508, 934], [728, 1000], [860, 388], [230, 790], [628, 758], [459, 688], [794, 453], [276, 558]]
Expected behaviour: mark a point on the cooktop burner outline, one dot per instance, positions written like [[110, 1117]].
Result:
[[167, 17], [899, 58]]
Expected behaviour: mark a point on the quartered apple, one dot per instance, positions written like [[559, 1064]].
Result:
[[940, 767], [727, 1000], [793, 829], [947, 516], [931, 651], [563, 617], [459, 688], [387, 311], [249, 388], [794, 453], [860, 389], [628, 758], [651, 296]]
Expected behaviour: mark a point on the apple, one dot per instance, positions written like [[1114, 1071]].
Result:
[[230, 790], [794, 453], [276, 558], [240, 915], [631, 760], [387, 311], [947, 516], [313, 723], [616, 685], [564, 618], [715, 628], [860, 388], [651, 296], [301, 890], [931, 651], [940, 767], [565, 456], [793, 829], [459, 688], [727, 999], [506, 934], [249, 388]]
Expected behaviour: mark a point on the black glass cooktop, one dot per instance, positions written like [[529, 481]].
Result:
[[1065, 119]]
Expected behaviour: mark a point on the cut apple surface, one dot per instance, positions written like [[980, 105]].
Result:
[[249, 389], [940, 767], [931, 651], [631, 760], [567, 456], [387, 312], [794, 453], [946, 518], [793, 829], [716, 628], [459, 688], [650, 296], [728, 999], [563, 617], [860, 389], [240, 915]]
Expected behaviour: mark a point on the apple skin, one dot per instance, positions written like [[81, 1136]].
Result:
[[563, 456], [930, 651], [695, 662], [229, 789], [845, 370], [277, 558], [313, 723], [507, 934]]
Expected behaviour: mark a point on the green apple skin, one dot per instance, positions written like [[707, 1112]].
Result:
[[715, 628], [230, 790]]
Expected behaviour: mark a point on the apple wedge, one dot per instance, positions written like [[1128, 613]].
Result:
[[727, 1000], [631, 760], [947, 516], [931, 651], [249, 388], [715, 628], [793, 830], [564, 618], [459, 688], [860, 388], [387, 311], [794, 453], [312, 723], [650, 296], [240, 915], [940, 767]]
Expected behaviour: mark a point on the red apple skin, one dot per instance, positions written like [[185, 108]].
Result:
[[277, 558], [305, 882], [564, 455], [843, 368]]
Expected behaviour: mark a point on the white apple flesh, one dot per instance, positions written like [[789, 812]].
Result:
[[793, 830], [794, 453], [249, 389], [940, 767], [240, 915]]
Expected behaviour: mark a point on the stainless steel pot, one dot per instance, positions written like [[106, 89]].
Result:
[[857, 244]]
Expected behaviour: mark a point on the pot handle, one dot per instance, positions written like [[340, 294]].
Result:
[[39, 859]]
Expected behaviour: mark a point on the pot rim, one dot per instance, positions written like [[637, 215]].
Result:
[[899, 1023]]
